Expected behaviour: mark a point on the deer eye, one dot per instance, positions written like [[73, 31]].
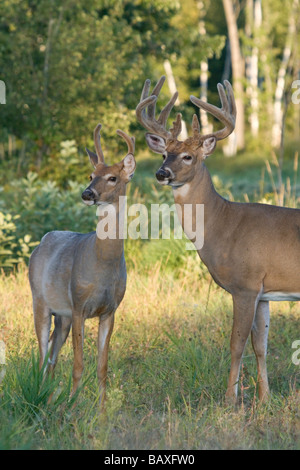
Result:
[[112, 178], [164, 157], [90, 177], [187, 158]]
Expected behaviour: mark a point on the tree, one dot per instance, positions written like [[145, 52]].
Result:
[[253, 25], [278, 107], [69, 64], [238, 69]]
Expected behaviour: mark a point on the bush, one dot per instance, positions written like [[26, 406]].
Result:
[[42, 207], [13, 249]]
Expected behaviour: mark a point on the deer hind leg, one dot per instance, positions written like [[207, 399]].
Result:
[[244, 307], [106, 325], [42, 323], [259, 337], [62, 326]]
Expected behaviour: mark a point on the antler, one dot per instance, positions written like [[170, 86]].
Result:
[[97, 142], [145, 112], [129, 140], [226, 114]]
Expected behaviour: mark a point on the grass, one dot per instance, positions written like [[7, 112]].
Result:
[[168, 368], [169, 353]]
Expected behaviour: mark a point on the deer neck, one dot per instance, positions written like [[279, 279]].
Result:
[[200, 191], [110, 230]]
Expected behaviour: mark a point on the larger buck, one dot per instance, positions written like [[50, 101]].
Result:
[[76, 276], [251, 250]]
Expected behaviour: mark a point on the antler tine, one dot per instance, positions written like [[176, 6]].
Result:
[[163, 117], [155, 92], [129, 140], [145, 110], [142, 115], [176, 129], [196, 126], [226, 114], [231, 99], [97, 142]]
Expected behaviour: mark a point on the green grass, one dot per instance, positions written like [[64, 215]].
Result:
[[169, 353], [168, 368]]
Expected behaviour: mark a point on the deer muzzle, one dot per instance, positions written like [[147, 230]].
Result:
[[162, 174], [88, 196]]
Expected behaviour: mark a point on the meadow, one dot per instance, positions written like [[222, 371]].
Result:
[[169, 354]]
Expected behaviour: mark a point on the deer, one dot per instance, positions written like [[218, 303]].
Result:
[[77, 276], [251, 250]]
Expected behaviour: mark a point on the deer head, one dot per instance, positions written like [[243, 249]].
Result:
[[182, 158], [109, 182]]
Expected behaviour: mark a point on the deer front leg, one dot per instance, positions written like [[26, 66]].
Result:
[[244, 307], [61, 331], [106, 324], [77, 337], [259, 337]]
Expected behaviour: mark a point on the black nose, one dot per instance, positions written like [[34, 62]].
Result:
[[87, 195], [161, 174]]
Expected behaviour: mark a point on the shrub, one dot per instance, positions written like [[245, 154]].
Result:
[[13, 249]]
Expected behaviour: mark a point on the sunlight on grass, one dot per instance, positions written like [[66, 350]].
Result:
[[168, 368]]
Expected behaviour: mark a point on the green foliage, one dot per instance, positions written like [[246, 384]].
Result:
[[69, 64], [13, 248], [43, 207]]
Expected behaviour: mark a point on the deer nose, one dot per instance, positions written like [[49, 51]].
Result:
[[161, 174], [87, 195]]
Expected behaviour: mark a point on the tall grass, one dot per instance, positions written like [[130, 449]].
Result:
[[168, 368], [169, 353]]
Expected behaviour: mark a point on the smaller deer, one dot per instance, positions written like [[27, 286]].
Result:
[[75, 276]]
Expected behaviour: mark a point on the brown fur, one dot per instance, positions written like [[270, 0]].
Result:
[[76, 276], [251, 250]]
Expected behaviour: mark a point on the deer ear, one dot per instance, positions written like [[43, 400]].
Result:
[[156, 143], [93, 158], [209, 146], [129, 165]]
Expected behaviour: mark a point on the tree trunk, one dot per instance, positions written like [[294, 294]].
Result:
[[237, 64], [281, 78], [206, 127], [254, 20], [172, 87]]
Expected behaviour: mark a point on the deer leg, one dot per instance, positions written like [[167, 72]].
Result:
[[106, 325], [244, 308], [62, 326], [259, 337], [42, 323], [77, 338]]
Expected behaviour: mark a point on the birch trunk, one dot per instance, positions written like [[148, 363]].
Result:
[[172, 87], [281, 78], [254, 21], [206, 127], [237, 72]]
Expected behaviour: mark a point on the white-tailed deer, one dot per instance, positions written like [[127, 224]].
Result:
[[76, 276], [251, 250]]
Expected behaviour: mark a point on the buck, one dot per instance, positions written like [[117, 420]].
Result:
[[251, 250], [75, 276]]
